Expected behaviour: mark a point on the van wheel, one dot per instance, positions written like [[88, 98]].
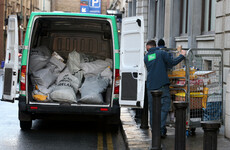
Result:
[[26, 125], [114, 122], [114, 128]]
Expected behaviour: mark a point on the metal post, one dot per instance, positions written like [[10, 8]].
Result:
[[138, 113], [210, 134], [156, 120], [144, 115], [180, 126]]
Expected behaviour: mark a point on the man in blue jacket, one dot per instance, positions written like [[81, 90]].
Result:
[[161, 43], [157, 61]]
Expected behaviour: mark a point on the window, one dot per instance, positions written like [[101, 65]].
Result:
[[134, 7], [130, 8], [155, 19], [208, 16], [184, 17], [207, 65], [152, 19]]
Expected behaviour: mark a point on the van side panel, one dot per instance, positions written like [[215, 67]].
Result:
[[26, 42], [24, 57], [117, 61], [116, 43]]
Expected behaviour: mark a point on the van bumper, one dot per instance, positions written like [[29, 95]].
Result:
[[62, 109]]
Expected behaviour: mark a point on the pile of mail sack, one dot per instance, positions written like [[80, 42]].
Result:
[[54, 80]]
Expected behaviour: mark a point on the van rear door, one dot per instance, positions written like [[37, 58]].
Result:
[[132, 68], [11, 61]]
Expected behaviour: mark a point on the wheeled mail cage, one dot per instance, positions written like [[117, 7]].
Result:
[[199, 81], [204, 86]]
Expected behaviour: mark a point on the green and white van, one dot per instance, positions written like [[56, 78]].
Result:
[[88, 33]]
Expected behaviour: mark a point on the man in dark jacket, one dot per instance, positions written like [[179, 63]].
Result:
[[157, 62], [161, 43]]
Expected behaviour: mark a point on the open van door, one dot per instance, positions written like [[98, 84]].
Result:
[[132, 68], [11, 61]]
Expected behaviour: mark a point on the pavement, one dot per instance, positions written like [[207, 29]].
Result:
[[1, 72], [140, 139]]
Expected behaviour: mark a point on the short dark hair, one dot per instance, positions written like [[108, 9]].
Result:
[[161, 42], [151, 43]]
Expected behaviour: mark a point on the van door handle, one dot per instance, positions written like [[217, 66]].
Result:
[[138, 22], [135, 75]]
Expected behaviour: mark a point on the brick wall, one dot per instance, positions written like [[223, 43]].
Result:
[[103, 6], [13, 8], [73, 5], [67, 5]]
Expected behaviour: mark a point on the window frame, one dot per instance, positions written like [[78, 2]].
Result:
[[209, 29], [155, 19], [184, 17]]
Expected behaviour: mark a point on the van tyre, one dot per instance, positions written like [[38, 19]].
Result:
[[26, 125], [114, 122]]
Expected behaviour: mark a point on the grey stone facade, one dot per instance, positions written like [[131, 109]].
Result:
[[222, 38], [218, 35]]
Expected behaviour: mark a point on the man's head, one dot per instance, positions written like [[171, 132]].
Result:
[[161, 42], [150, 44]]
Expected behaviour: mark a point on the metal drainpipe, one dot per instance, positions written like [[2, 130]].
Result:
[[21, 23], [4, 37]]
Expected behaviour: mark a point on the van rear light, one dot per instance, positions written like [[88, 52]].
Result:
[[33, 107], [117, 81], [23, 78], [116, 90], [9, 56], [104, 109]]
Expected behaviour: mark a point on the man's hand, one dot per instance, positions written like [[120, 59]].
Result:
[[183, 52]]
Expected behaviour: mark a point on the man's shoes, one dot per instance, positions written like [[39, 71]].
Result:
[[163, 136], [163, 133]]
